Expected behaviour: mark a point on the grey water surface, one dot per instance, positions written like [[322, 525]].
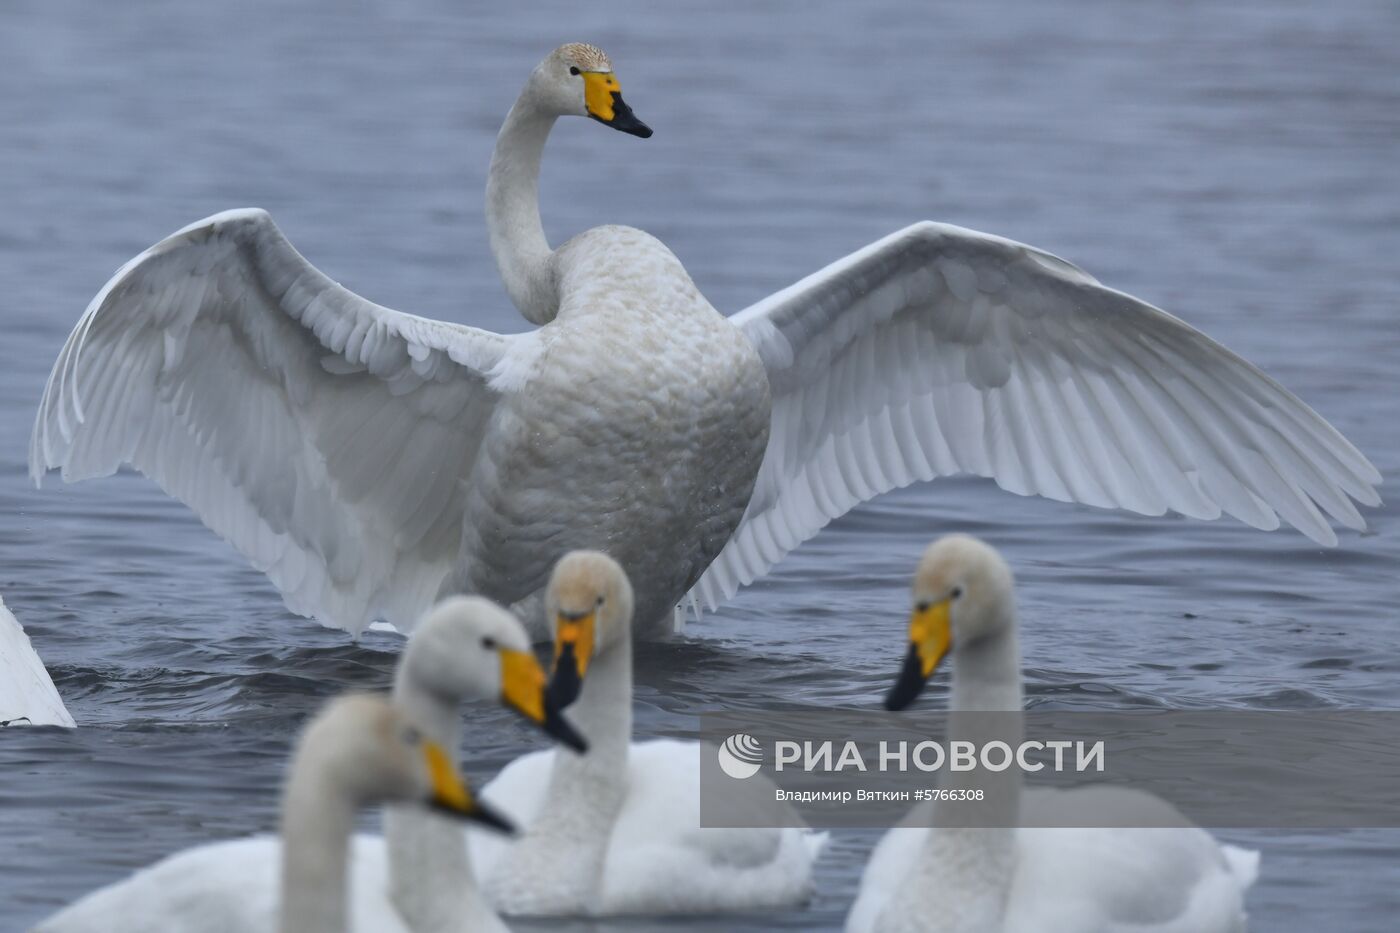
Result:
[[1236, 163]]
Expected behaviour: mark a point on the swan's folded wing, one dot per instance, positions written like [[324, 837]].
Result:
[[939, 350], [326, 437]]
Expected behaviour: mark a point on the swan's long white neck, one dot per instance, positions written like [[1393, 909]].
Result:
[[430, 877], [603, 714], [964, 872], [567, 840], [586, 792], [987, 674], [987, 679], [513, 210], [317, 820]]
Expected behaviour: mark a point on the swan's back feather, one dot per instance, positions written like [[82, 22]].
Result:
[[659, 859], [1091, 879], [224, 887]]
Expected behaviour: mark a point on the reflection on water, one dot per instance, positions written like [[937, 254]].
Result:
[[1235, 165]]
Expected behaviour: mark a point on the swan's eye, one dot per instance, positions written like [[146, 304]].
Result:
[[488, 643], [957, 592], [923, 606], [601, 600], [573, 69], [411, 736]]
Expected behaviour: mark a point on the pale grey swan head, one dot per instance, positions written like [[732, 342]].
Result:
[[468, 647], [363, 750], [962, 594], [577, 80], [589, 605]]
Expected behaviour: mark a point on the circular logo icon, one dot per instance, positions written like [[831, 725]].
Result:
[[740, 756]]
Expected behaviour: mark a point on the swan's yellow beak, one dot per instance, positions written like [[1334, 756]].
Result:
[[523, 689], [602, 97], [573, 647], [450, 794], [930, 635], [522, 683]]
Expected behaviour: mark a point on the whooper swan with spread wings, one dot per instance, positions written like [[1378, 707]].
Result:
[[369, 461]]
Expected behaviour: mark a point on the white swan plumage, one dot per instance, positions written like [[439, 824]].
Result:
[[932, 876], [371, 461], [361, 750], [27, 694], [617, 830], [417, 876]]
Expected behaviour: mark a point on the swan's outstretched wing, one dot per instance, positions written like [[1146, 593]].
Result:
[[326, 437], [27, 693], [939, 350]]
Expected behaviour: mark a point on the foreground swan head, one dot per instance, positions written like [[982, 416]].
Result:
[[467, 647], [589, 603], [962, 595]]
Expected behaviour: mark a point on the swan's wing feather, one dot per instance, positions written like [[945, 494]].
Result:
[[939, 350], [27, 693], [326, 437]]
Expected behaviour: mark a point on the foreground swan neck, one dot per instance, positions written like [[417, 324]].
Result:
[[430, 876], [513, 211], [316, 825]]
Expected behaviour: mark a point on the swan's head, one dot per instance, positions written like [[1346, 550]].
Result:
[[469, 647], [363, 749], [589, 602], [577, 80], [962, 595]]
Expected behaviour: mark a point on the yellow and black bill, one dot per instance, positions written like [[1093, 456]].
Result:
[[573, 648], [451, 796], [602, 97], [930, 635], [524, 690]]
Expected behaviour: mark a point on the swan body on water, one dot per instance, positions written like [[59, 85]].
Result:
[[371, 461], [939, 877], [618, 830], [358, 752], [27, 694], [417, 876]]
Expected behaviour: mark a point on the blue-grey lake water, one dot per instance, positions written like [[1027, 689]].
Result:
[[1236, 163]]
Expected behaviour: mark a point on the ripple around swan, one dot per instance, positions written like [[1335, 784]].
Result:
[[1233, 163]]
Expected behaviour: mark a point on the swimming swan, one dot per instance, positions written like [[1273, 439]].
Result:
[[1008, 880], [371, 461], [416, 877], [360, 751], [466, 648], [618, 830]]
